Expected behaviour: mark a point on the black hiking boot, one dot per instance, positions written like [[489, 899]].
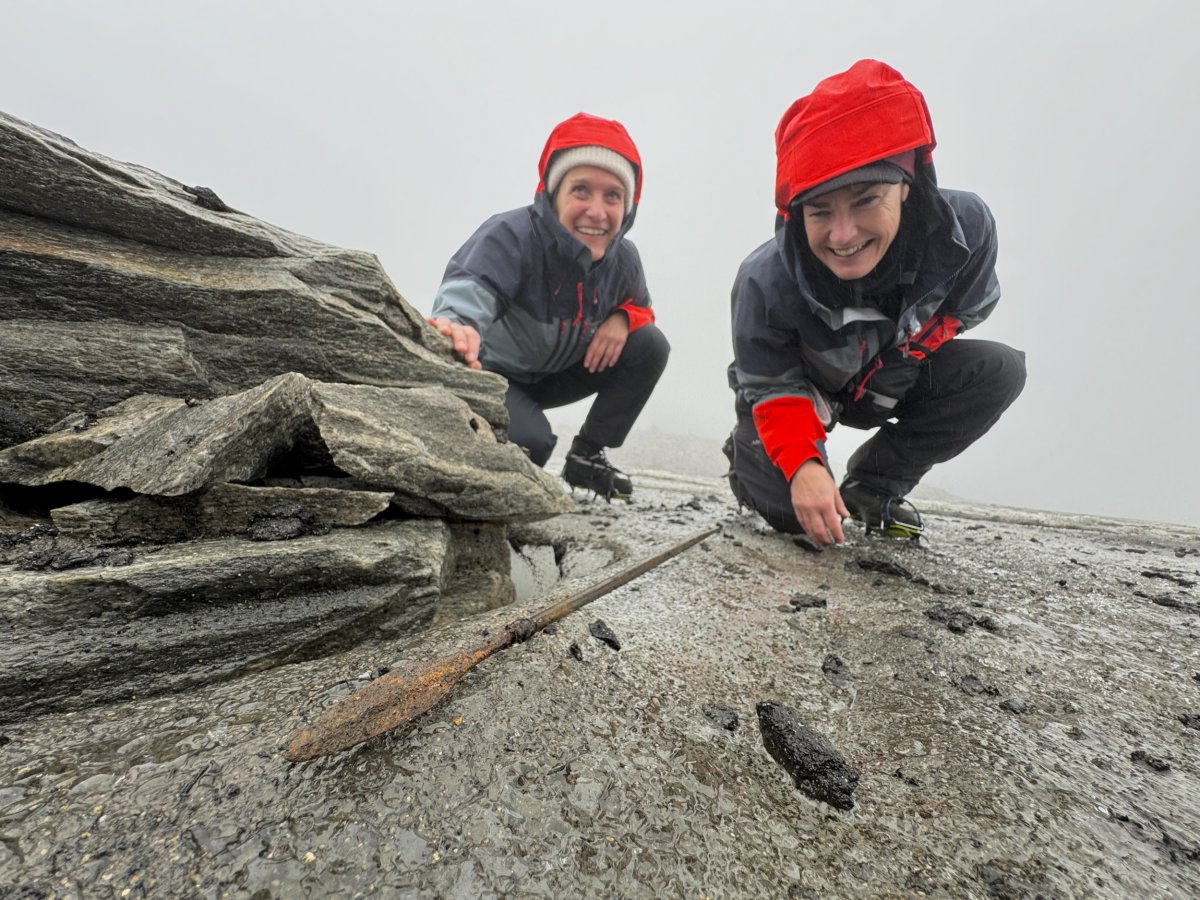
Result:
[[878, 511], [592, 471]]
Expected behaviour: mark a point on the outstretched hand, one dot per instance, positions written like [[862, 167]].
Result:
[[463, 338], [818, 504], [607, 343]]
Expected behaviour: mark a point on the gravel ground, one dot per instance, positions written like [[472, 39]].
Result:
[[1018, 694]]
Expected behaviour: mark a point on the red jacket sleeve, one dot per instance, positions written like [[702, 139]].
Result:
[[638, 315], [790, 431]]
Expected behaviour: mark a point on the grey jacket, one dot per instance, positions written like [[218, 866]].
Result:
[[533, 293], [789, 341]]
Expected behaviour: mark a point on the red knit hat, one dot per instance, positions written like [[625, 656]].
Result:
[[583, 130], [860, 116]]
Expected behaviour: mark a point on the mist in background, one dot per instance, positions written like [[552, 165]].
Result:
[[398, 128]]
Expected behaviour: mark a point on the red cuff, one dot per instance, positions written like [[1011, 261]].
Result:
[[933, 334], [638, 315], [790, 431]]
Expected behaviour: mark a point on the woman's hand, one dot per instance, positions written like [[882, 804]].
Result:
[[607, 343], [463, 338], [818, 504]]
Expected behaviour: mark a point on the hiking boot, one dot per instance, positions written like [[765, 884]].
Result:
[[593, 472], [879, 511]]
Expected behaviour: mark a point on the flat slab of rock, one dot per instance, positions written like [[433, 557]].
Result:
[[195, 612], [426, 445], [225, 510]]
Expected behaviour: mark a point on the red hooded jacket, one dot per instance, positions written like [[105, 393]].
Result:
[[791, 353]]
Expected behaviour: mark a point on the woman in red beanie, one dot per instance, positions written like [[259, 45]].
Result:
[[847, 315], [552, 297]]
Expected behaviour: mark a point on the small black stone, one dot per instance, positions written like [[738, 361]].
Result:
[[576, 652], [1191, 720], [601, 632]]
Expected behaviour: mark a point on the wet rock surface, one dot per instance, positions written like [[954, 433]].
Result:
[[145, 285], [543, 776]]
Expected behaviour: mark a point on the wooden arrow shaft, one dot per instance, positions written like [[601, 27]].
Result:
[[399, 696]]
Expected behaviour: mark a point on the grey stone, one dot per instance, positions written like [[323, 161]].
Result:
[[190, 613], [225, 510], [212, 431], [424, 444], [116, 281]]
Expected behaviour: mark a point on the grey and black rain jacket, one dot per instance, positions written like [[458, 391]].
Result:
[[800, 359], [533, 293]]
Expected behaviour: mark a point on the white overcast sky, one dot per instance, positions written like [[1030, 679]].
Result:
[[397, 127]]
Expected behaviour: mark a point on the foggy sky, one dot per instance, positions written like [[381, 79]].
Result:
[[397, 128]]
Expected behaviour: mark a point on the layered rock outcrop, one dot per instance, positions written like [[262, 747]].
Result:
[[221, 444]]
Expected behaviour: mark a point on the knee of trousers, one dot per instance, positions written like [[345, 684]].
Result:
[[647, 346], [1004, 367]]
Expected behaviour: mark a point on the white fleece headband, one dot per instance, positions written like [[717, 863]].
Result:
[[591, 155]]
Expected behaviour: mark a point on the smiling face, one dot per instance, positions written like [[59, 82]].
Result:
[[590, 203], [850, 229]]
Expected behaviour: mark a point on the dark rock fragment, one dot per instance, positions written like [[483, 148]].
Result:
[[797, 891], [720, 716], [1171, 603], [1169, 576], [807, 601], [804, 543], [835, 669], [1015, 706], [207, 198], [884, 566], [975, 686], [576, 651], [987, 623], [1178, 851], [815, 765], [954, 618], [58, 558], [601, 632], [1154, 763], [16, 427], [1191, 720], [282, 521], [915, 634]]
